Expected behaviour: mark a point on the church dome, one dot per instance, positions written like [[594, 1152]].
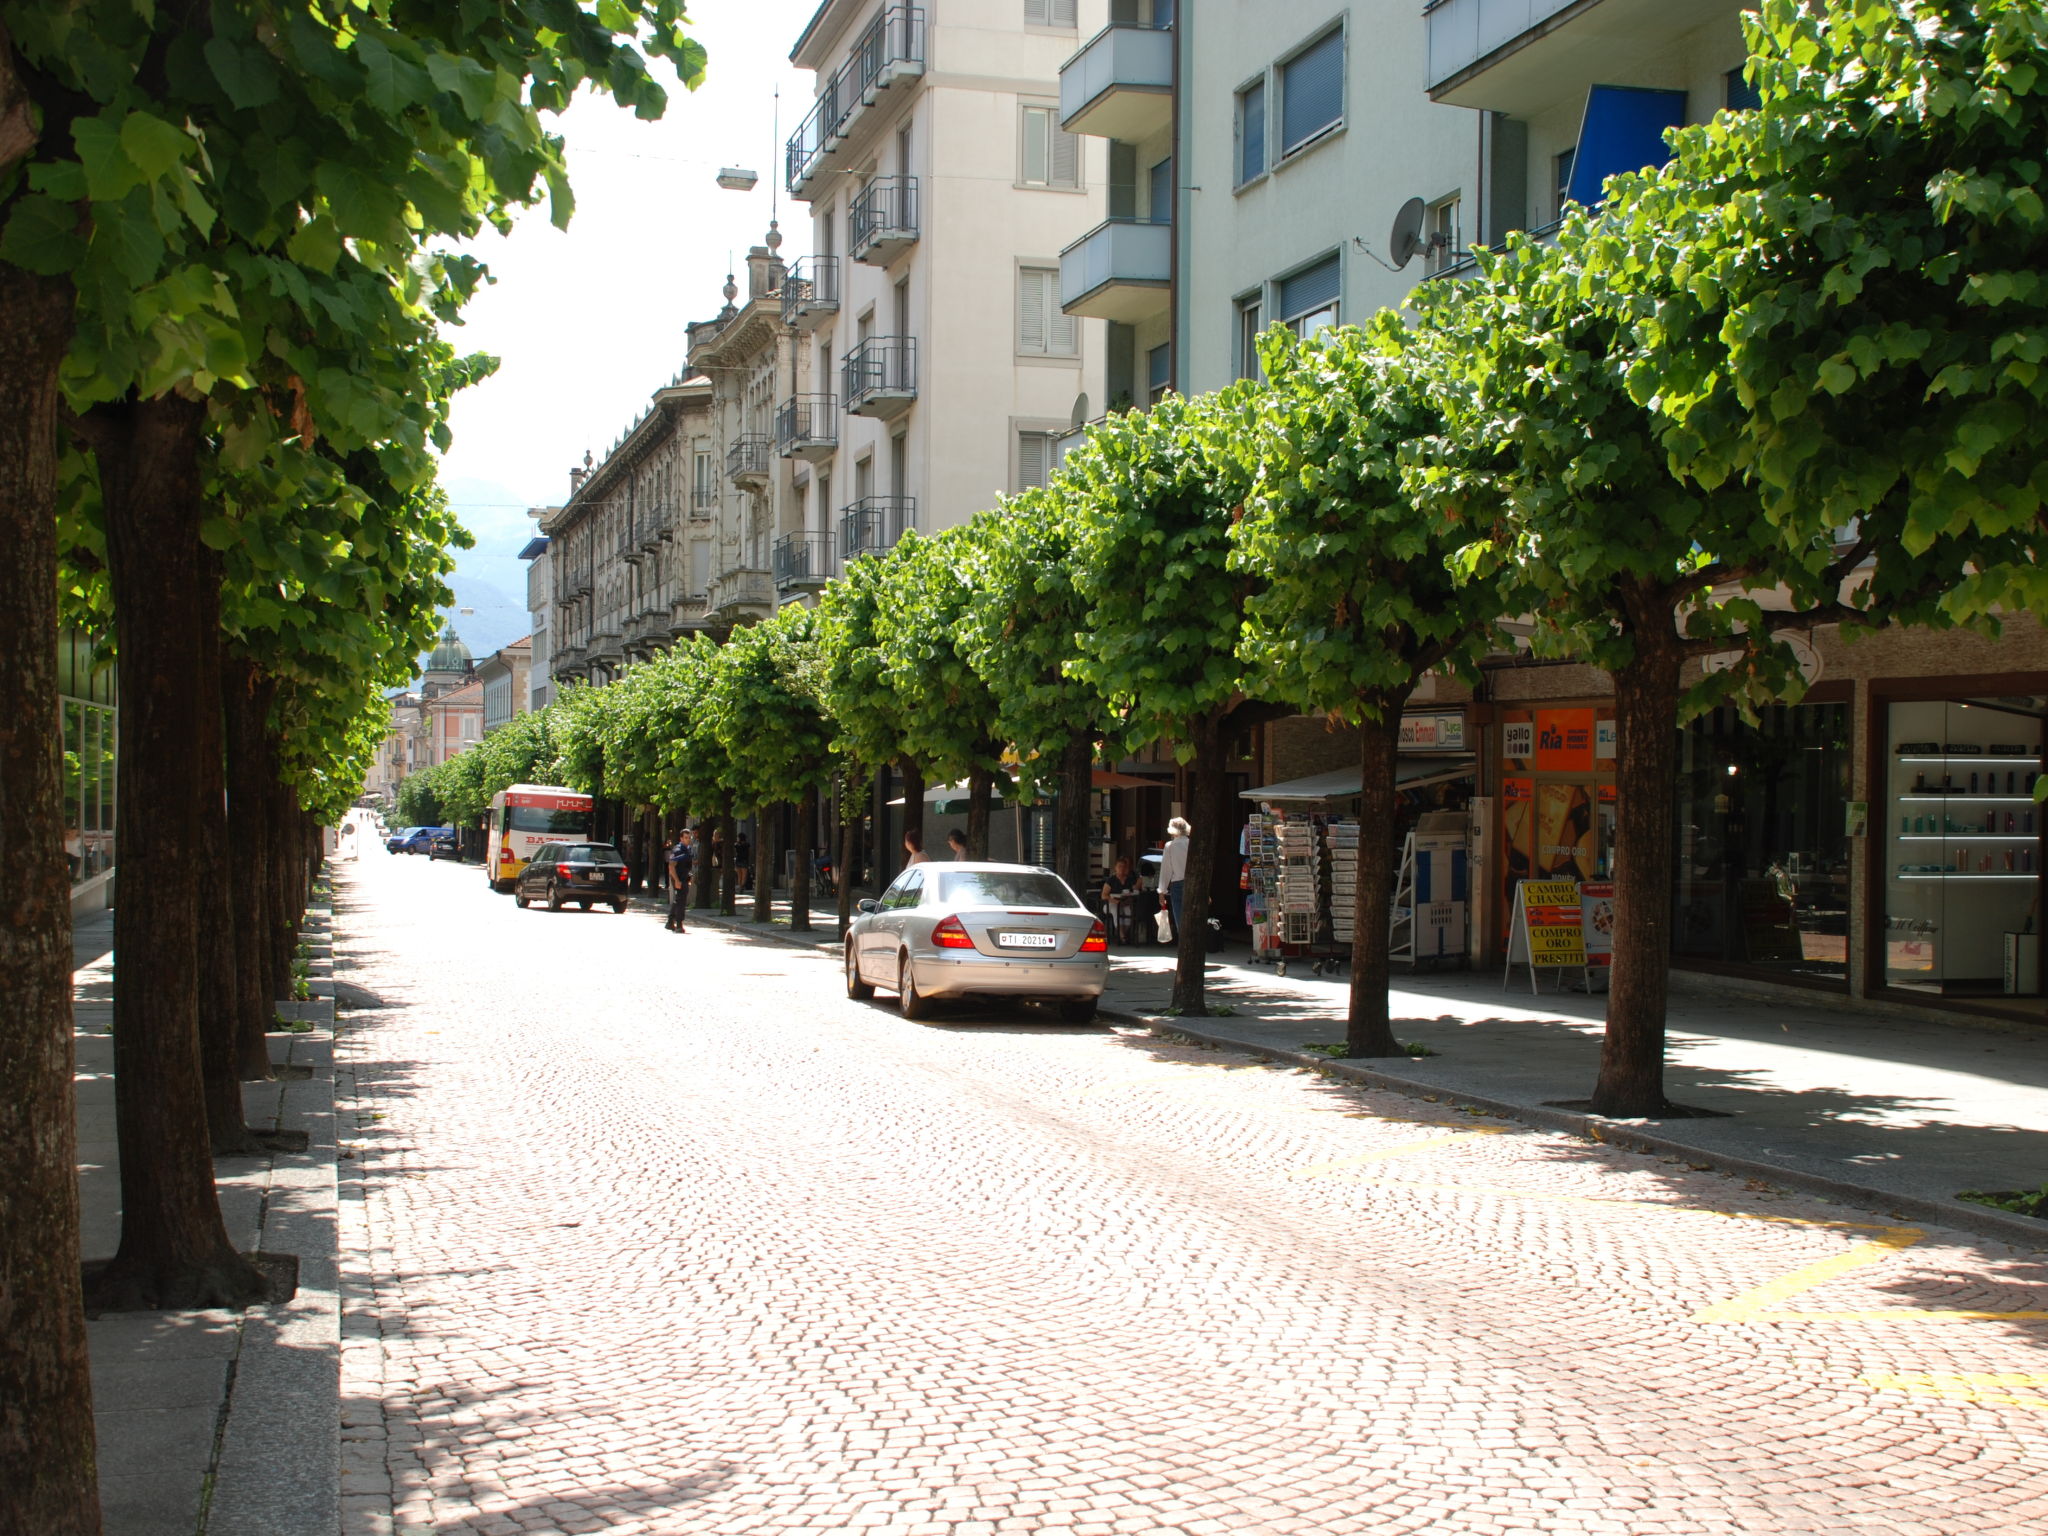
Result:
[[451, 655]]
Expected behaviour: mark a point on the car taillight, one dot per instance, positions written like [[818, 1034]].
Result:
[[950, 935], [564, 870], [622, 877], [1097, 942]]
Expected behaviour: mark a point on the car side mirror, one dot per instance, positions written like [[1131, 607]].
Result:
[[870, 905]]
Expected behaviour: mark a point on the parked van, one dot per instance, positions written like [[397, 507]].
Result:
[[525, 816]]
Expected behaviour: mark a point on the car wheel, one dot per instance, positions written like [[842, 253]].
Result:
[[584, 905], [619, 907], [915, 1004], [1078, 1010], [554, 898], [860, 991], [519, 899]]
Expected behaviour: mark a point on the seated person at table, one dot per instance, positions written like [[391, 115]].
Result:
[[1119, 902]]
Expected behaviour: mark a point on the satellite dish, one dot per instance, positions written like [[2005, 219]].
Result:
[[1406, 240], [1079, 416], [736, 178]]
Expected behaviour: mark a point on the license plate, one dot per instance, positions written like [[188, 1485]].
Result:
[[593, 877], [1028, 940]]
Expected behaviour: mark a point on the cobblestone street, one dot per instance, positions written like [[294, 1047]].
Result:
[[649, 1234]]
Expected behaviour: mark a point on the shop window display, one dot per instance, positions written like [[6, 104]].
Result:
[[1962, 834], [1761, 874]]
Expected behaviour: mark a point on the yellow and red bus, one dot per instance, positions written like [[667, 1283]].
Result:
[[523, 817]]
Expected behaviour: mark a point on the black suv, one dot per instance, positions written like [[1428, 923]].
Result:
[[585, 873]]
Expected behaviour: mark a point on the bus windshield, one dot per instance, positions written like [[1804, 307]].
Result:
[[549, 820]]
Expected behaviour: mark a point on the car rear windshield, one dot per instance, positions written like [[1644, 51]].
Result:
[[998, 888], [594, 853]]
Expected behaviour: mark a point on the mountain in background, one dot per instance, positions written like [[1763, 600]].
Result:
[[489, 581]]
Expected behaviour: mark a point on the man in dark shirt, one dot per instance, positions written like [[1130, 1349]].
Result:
[[681, 857]]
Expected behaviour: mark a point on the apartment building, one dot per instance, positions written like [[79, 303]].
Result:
[[504, 675], [540, 609], [942, 190]]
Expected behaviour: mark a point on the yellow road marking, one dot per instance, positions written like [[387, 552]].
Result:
[[1322, 1170], [1760, 1302], [1961, 1386]]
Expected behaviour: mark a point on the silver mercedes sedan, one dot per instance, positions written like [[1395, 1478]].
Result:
[[979, 930]]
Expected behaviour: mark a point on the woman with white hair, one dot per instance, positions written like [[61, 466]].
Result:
[[1173, 868]]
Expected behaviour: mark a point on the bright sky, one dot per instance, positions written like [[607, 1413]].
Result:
[[587, 323]]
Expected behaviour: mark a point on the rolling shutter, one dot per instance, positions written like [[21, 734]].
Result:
[[1308, 291], [1311, 91]]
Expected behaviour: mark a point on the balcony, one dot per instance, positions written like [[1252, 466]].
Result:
[[1121, 270], [1120, 85], [687, 614], [567, 658], [889, 52], [879, 376], [874, 523], [746, 461], [883, 220], [810, 292], [653, 529], [1521, 56], [807, 427], [608, 640], [743, 593], [802, 560]]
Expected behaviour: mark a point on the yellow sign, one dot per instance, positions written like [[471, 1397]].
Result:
[[1546, 930]]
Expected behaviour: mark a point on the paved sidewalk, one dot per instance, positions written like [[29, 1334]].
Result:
[[1887, 1111], [218, 1422]]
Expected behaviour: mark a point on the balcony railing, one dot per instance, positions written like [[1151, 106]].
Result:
[[736, 591], [703, 502], [875, 523], [1120, 85], [802, 560], [879, 376], [807, 427], [1120, 270], [882, 220], [692, 611], [810, 291], [891, 49], [746, 461]]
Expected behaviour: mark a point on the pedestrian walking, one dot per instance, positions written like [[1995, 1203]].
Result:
[[957, 841], [1173, 868], [742, 861], [682, 857], [913, 845]]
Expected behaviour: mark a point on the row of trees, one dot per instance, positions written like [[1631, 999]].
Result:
[[1792, 378], [223, 388]]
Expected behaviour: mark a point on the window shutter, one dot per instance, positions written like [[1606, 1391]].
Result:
[[1030, 460], [1063, 12], [1031, 310], [1308, 291], [1037, 124], [1251, 117], [1038, 13], [1311, 91], [1066, 157], [1062, 334]]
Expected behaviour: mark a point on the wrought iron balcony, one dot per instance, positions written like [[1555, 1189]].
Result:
[[746, 461], [807, 427], [891, 49], [1120, 270], [879, 376], [802, 560], [810, 292], [874, 523], [882, 220], [1120, 85]]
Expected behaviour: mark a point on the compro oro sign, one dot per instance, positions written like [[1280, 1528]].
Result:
[[1546, 930]]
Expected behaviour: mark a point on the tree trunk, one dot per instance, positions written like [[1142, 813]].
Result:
[[800, 877], [246, 712], [1207, 779], [47, 1480], [765, 839], [701, 871], [280, 913], [981, 787], [1646, 694], [849, 839], [220, 1063], [1077, 790], [1369, 1031], [174, 1251], [913, 811], [729, 873]]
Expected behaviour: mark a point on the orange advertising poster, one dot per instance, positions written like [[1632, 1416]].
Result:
[[1518, 828], [1564, 831], [1564, 740]]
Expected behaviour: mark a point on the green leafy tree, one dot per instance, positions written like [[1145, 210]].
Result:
[[870, 720], [1154, 497], [1360, 593], [1022, 637]]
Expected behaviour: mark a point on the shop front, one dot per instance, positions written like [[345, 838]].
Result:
[[1557, 797]]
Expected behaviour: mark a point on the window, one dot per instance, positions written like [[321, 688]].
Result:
[[1312, 92], [1158, 372], [1440, 228], [899, 464], [1043, 329], [1037, 454], [704, 489], [999, 888], [1740, 95], [1251, 131], [1562, 177], [1049, 13], [1159, 192], [1249, 324], [1308, 300], [1052, 158]]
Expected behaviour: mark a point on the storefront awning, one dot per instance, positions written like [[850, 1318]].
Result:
[[1409, 773]]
